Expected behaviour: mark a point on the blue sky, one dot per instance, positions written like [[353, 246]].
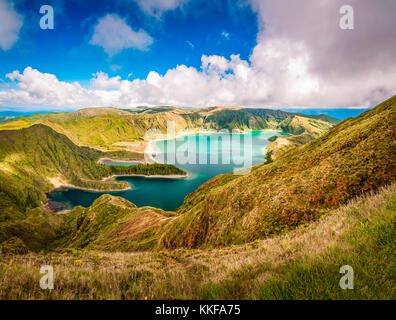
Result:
[[180, 36], [197, 53]]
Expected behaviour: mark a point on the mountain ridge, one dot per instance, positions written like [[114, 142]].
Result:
[[111, 129], [299, 187], [282, 231]]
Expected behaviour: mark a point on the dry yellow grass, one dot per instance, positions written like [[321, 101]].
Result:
[[16, 124]]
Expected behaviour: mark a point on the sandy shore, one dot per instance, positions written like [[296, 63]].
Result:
[[174, 176], [152, 151], [101, 160], [70, 186]]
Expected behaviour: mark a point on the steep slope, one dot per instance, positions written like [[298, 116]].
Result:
[[304, 130], [110, 132], [32, 159], [113, 223], [303, 264], [36, 159], [258, 119], [355, 156], [32, 162]]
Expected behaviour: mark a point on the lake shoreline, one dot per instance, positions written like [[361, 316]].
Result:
[[71, 186], [103, 160], [170, 176], [152, 151], [145, 195]]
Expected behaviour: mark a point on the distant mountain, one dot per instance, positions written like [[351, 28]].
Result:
[[110, 129], [4, 119]]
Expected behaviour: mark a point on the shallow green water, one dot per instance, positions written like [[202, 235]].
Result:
[[168, 194]]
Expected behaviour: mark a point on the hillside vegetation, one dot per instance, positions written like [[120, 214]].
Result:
[[303, 264], [110, 129], [355, 156], [113, 223], [16, 124], [280, 232], [37, 159], [304, 129]]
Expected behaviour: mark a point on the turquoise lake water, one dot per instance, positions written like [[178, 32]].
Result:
[[244, 151]]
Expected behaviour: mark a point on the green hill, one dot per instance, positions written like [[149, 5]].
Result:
[[110, 129], [304, 129], [300, 186], [280, 232], [37, 159], [16, 124], [303, 264], [30, 158], [113, 223], [355, 156]]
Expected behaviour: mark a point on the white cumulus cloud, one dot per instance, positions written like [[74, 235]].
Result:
[[338, 68], [101, 80], [43, 89], [302, 59], [113, 34], [158, 7], [10, 24]]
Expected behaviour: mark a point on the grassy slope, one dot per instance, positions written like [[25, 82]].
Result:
[[303, 264], [112, 132], [113, 223], [16, 124], [297, 188], [32, 162], [357, 155], [35, 159], [304, 129]]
